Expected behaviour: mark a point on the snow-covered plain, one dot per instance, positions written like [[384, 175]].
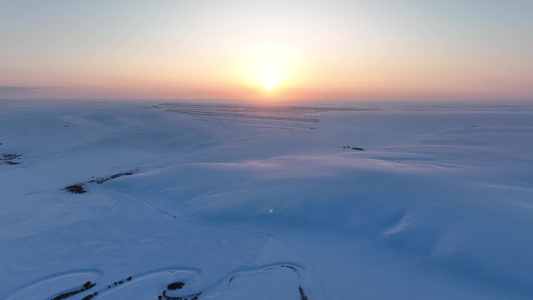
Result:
[[266, 202]]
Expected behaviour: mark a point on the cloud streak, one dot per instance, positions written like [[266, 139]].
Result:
[[19, 89]]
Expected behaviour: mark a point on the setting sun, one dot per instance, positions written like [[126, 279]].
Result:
[[274, 50], [267, 68], [269, 82]]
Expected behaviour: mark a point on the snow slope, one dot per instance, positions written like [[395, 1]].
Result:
[[266, 202]]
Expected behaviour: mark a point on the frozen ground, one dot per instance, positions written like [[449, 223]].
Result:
[[252, 202]]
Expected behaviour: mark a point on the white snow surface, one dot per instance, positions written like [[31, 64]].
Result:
[[266, 202]]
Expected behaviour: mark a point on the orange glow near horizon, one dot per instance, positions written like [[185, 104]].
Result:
[[266, 51], [264, 69]]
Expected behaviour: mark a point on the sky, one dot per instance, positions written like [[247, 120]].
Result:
[[267, 50]]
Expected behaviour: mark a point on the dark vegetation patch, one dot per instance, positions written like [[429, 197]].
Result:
[[88, 285], [188, 297], [120, 282], [170, 287], [290, 267], [75, 189], [353, 148], [11, 156], [78, 188], [10, 159], [178, 286], [303, 296], [90, 296], [104, 179], [175, 286]]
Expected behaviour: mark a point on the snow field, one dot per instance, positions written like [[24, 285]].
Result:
[[247, 206]]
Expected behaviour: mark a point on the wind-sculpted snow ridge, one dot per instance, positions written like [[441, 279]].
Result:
[[59, 286], [172, 283]]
